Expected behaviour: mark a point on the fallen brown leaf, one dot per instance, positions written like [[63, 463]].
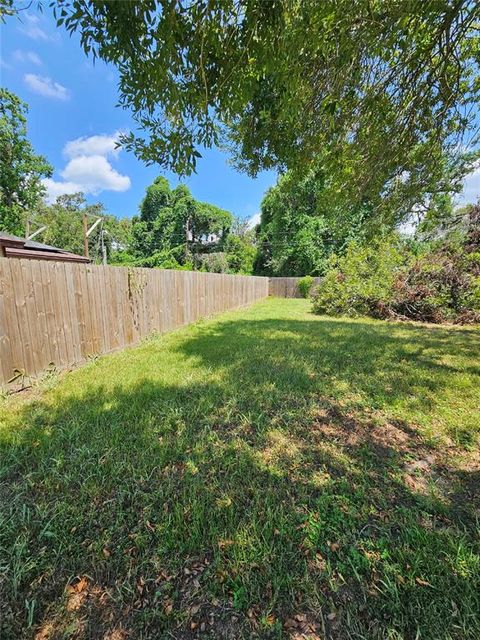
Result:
[[422, 583], [45, 632], [75, 601], [116, 634], [81, 584], [222, 544]]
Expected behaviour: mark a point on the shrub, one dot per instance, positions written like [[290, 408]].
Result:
[[386, 280], [164, 259], [433, 289], [361, 281], [121, 258], [240, 254], [305, 285], [444, 285], [212, 262]]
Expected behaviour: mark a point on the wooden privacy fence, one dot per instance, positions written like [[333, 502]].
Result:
[[58, 314], [287, 287]]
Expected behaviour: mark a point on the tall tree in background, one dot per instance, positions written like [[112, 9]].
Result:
[[64, 225], [385, 89], [302, 223], [235, 254], [443, 220], [21, 169], [173, 226], [240, 247], [306, 218], [63, 219]]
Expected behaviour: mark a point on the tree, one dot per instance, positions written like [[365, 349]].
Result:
[[436, 219], [153, 229], [384, 89], [306, 217], [173, 225], [63, 220], [21, 170], [240, 249], [304, 221], [236, 254], [119, 231], [7, 8], [64, 227], [442, 220]]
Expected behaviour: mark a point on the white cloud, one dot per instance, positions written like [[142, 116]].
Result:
[[253, 221], [27, 56], [101, 145], [94, 174], [55, 189], [471, 187], [46, 87], [31, 27], [88, 169]]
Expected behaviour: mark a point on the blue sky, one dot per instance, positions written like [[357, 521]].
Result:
[[73, 121]]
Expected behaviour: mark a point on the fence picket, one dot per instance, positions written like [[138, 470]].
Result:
[[61, 313], [287, 287]]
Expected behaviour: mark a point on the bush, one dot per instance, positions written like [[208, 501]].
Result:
[[440, 287], [240, 254], [121, 258], [166, 259], [361, 281], [386, 280], [444, 284], [305, 285], [212, 262]]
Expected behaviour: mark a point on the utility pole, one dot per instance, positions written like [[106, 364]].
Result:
[[187, 234], [85, 235], [28, 229], [87, 231], [104, 248]]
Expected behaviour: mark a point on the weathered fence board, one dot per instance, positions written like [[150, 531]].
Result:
[[58, 313], [287, 287]]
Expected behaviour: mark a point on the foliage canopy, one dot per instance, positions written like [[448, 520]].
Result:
[[21, 169], [382, 89], [303, 221], [64, 226], [173, 226]]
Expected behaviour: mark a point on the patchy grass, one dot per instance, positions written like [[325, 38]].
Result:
[[268, 474]]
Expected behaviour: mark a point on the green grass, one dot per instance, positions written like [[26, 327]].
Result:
[[267, 474]]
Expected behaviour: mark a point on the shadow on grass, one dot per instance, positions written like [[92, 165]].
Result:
[[273, 492], [368, 365]]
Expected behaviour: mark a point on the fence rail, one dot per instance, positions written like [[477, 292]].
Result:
[[54, 313], [287, 287]]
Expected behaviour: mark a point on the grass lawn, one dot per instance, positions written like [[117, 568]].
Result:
[[266, 474]]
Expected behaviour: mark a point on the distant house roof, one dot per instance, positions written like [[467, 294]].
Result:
[[15, 247]]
